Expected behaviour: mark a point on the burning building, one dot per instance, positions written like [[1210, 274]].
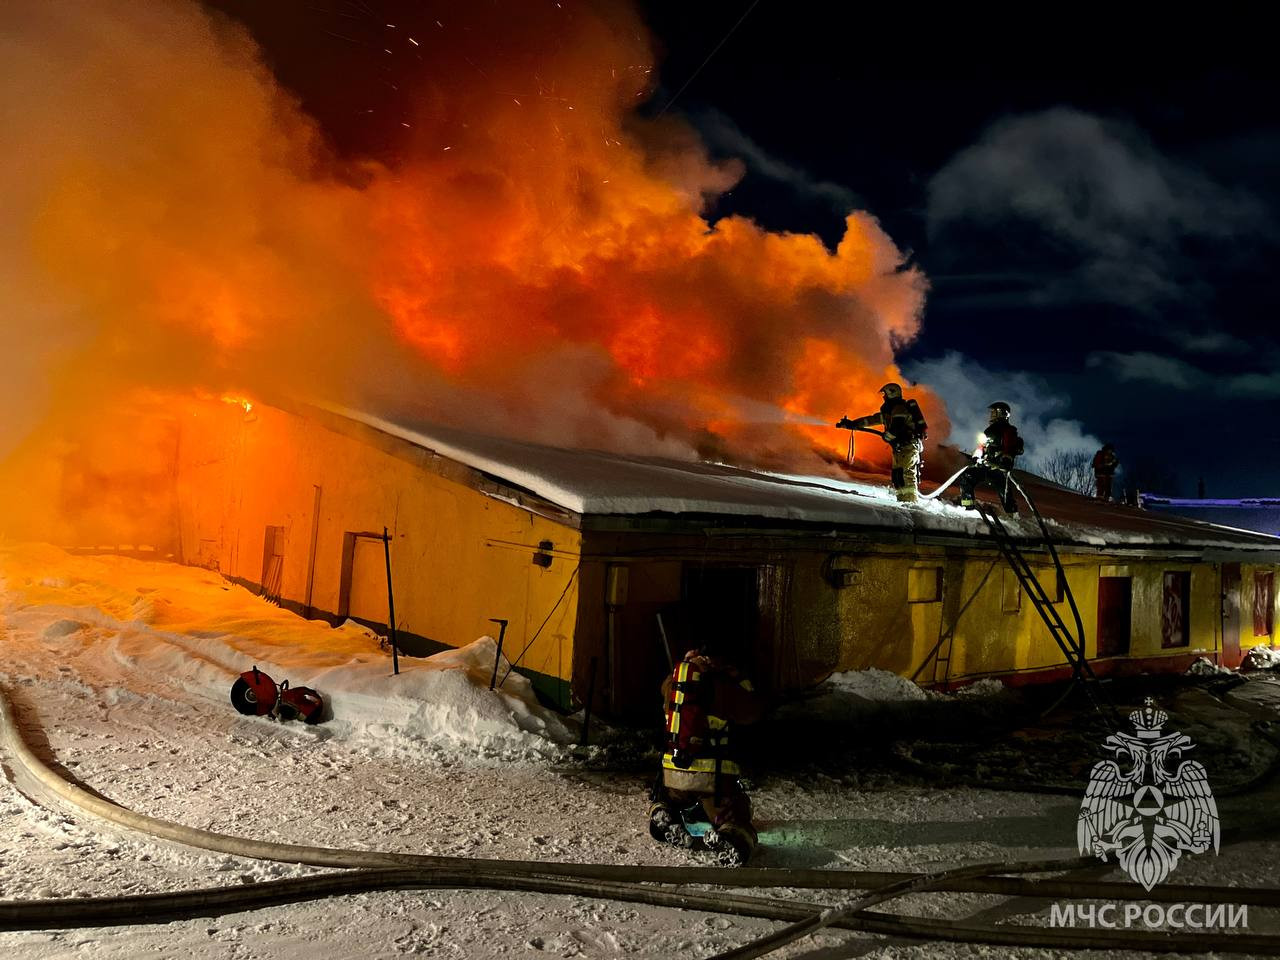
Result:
[[604, 565], [535, 256]]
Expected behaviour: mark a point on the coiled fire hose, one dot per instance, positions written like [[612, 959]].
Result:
[[377, 870]]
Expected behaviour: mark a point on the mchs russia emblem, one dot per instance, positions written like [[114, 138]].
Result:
[[1148, 805]]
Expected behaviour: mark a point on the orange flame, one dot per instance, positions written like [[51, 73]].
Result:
[[539, 261]]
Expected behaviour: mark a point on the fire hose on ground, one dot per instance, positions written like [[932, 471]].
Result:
[[378, 870], [105, 809], [168, 907]]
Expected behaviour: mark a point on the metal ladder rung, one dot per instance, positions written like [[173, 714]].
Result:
[[1071, 648]]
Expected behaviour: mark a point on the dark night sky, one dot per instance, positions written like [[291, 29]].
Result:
[[1093, 200]]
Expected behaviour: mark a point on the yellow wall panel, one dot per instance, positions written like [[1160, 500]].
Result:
[[458, 557]]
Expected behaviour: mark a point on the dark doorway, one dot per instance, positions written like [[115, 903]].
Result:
[[1115, 608], [721, 608]]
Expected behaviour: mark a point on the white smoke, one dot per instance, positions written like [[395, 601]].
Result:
[[968, 389]]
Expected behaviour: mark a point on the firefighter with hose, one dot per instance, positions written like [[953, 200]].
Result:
[[706, 701], [999, 445], [905, 431]]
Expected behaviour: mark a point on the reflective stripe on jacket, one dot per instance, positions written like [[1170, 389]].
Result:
[[705, 739]]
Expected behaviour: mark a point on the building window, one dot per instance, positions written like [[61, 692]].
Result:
[[1264, 603], [924, 585], [1175, 611], [1115, 606]]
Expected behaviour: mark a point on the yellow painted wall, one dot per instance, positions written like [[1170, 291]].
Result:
[[879, 626], [812, 627], [999, 631], [458, 557]]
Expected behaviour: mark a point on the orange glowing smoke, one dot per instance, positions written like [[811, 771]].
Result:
[[105, 479], [537, 263], [554, 223]]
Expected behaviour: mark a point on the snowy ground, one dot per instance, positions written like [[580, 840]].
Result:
[[123, 667]]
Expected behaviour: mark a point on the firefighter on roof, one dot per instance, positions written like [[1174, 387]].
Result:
[[905, 431], [705, 702], [998, 447], [1105, 463]]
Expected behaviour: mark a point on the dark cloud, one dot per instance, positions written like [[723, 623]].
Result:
[[1145, 367], [1107, 216], [1173, 372], [1255, 385], [1214, 342]]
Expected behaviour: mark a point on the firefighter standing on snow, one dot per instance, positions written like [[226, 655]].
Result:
[[1105, 463], [905, 431], [993, 459], [705, 701]]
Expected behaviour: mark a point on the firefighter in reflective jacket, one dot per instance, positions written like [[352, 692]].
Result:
[[999, 446], [705, 700], [905, 431]]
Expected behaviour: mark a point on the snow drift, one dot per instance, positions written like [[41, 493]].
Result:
[[147, 628]]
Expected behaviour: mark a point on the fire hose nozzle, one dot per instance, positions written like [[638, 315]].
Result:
[[845, 423]]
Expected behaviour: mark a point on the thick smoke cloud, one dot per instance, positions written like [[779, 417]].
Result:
[[165, 226], [536, 264]]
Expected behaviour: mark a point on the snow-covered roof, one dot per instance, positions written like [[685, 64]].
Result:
[[595, 483], [1245, 503], [1260, 514]]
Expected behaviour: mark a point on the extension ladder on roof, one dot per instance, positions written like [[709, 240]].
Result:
[[1071, 644]]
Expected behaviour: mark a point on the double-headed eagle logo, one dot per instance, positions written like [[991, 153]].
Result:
[[1148, 805]]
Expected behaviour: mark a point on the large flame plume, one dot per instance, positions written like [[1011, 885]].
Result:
[[537, 262]]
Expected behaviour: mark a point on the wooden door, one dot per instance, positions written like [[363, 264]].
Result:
[[1230, 615]]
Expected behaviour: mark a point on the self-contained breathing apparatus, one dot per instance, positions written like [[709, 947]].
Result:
[[687, 726]]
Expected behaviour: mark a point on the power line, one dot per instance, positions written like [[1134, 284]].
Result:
[[693, 76], [564, 593]]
